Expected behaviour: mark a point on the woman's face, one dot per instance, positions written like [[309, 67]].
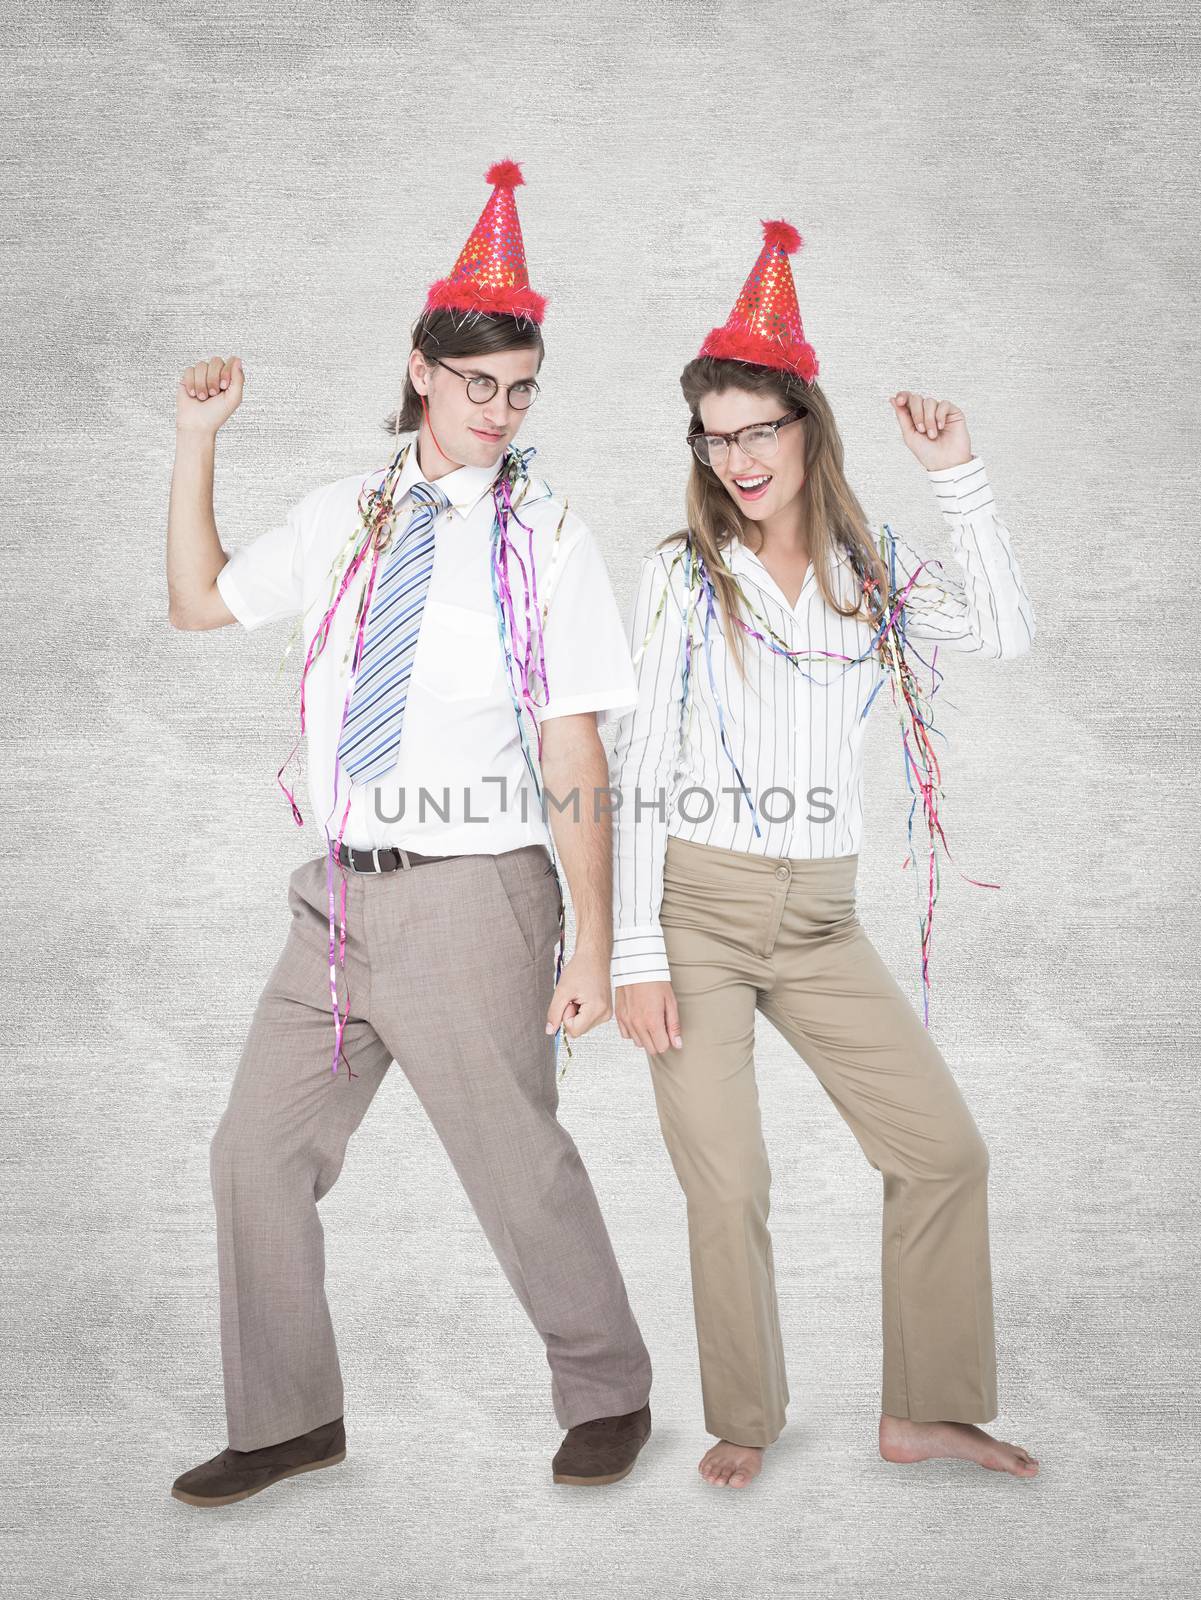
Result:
[[759, 488]]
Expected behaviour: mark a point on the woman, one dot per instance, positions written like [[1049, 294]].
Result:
[[760, 636]]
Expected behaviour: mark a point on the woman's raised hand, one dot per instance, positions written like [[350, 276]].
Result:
[[935, 430]]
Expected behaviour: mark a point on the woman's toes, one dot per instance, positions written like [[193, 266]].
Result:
[[726, 1466]]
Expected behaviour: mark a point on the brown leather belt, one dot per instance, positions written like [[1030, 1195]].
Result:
[[385, 858]]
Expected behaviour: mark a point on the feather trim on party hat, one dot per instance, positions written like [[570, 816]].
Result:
[[490, 274], [764, 328]]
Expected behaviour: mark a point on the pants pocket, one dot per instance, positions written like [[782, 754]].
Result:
[[515, 899]]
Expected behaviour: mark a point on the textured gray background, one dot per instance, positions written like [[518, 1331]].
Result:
[[999, 208]]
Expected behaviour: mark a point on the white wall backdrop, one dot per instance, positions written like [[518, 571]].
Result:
[[999, 207]]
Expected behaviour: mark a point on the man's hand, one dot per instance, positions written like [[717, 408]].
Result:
[[582, 996], [208, 394], [648, 1015]]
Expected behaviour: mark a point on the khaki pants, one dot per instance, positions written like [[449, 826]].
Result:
[[451, 967], [747, 932]]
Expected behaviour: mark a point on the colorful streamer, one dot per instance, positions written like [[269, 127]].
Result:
[[923, 775]]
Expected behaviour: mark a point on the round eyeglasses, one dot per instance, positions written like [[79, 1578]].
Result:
[[481, 387], [758, 439]]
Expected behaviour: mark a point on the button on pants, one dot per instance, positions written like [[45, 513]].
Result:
[[745, 933], [450, 967]]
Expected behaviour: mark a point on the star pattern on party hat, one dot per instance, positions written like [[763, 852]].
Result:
[[490, 274], [764, 328]]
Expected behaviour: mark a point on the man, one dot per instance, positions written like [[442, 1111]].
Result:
[[426, 930]]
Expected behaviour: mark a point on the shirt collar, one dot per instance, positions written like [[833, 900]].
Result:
[[464, 487], [739, 558]]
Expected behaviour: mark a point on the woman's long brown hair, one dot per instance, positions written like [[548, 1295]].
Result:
[[832, 515]]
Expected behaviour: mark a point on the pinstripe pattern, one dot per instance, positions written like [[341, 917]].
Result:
[[797, 736], [370, 739]]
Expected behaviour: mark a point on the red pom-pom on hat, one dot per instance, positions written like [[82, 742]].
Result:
[[505, 173], [783, 235]]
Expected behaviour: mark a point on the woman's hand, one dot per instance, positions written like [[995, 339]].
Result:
[[647, 1014], [934, 430]]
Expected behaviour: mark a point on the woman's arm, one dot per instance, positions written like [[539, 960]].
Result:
[[984, 605], [642, 771]]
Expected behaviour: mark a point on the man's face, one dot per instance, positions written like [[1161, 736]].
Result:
[[473, 433]]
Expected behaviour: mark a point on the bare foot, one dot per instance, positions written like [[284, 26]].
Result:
[[732, 1465], [904, 1440]]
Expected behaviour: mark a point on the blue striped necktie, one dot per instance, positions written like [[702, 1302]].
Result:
[[370, 741]]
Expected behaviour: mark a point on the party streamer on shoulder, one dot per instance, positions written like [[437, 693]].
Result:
[[923, 775], [370, 540]]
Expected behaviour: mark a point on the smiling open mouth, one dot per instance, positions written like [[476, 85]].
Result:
[[753, 488]]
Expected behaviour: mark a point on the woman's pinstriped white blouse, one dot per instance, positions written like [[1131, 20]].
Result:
[[797, 734]]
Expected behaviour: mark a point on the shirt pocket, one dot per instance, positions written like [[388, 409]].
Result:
[[458, 652]]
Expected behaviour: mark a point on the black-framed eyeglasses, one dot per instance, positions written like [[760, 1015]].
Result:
[[758, 439], [481, 387]]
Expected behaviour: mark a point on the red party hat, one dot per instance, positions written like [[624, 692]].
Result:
[[490, 274], [764, 327]]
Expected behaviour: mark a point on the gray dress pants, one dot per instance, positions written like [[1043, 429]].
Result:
[[450, 967]]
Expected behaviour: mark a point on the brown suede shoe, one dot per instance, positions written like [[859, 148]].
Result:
[[602, 1450], [237, 1474]]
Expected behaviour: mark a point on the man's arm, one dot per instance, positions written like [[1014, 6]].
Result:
[[575, 777], [207, 396]]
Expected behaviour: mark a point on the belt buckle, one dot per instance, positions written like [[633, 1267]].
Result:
[[374, 853]]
